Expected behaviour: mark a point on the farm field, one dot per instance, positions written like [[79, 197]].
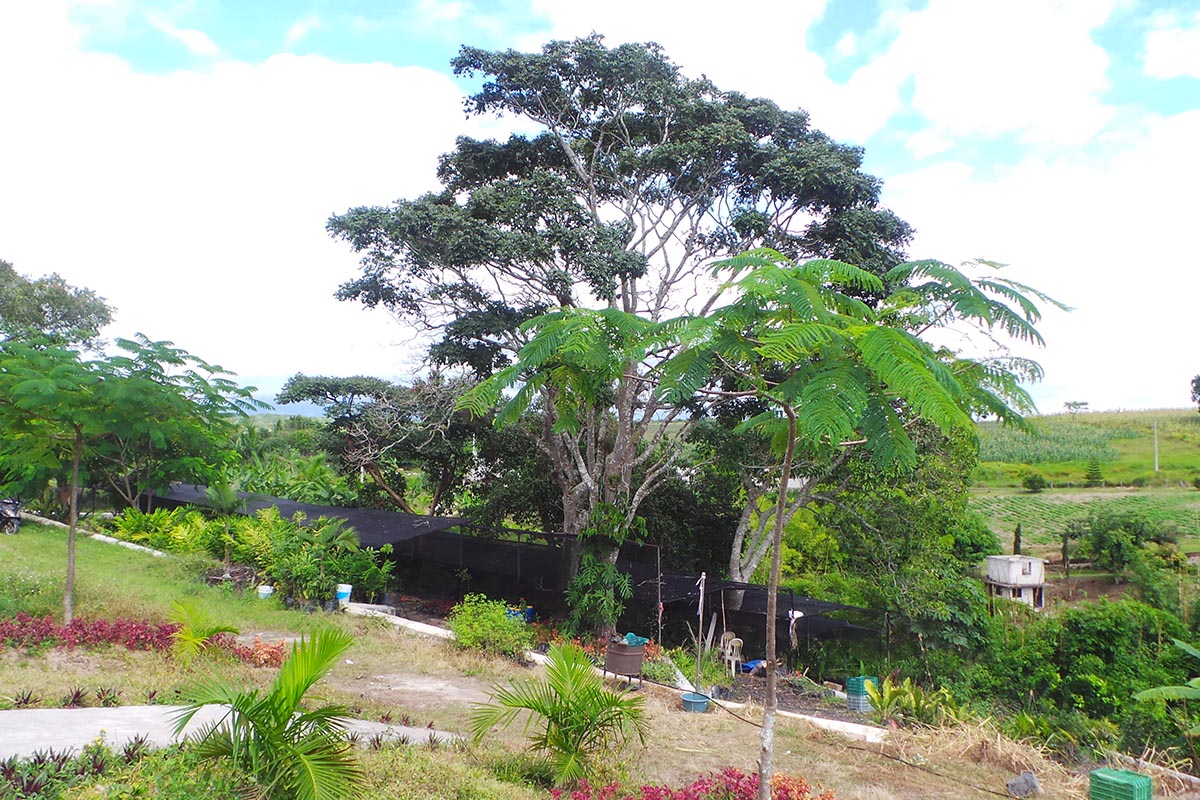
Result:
[[1122, 442], [1043, 516]]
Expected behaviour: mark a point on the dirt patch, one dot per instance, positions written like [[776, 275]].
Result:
[[752, 690], [431, 611], [1074, 590], [417, 692]]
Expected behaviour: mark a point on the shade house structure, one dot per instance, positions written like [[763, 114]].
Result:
[[375, 527], [528, 563]]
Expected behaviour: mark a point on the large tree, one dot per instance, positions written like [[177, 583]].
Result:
[[49, 308], [145, 417], [831, 372], [637, 178]]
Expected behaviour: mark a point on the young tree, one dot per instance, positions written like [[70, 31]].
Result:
[[638, 178], [1073, 407], [49, 308], [59, 409], [837, 373]]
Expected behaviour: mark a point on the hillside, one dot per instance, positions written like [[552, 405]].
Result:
[[1121, 442]]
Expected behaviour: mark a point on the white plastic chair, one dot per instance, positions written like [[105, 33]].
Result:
[[733, 656]]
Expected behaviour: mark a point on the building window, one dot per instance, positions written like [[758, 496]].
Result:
[[1027, 568]]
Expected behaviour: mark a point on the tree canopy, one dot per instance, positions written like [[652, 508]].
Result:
[[635, 180], [49, 308], [137, 420]]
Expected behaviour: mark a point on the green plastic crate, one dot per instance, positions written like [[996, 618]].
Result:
[[1119, 784], [858, 685]]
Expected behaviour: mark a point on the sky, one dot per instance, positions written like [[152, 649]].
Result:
[[181, 157]]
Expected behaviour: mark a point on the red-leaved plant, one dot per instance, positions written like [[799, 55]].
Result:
[[24, 630], [727, 784]]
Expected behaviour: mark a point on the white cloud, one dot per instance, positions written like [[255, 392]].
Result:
[[442, 10], [926, 143], [1173, 49], [1111, 239], [196, 201], [1025, 66], [197, 42], [302, 28], [847, 45]]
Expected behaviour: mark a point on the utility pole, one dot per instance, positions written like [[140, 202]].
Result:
[[1156, 446]]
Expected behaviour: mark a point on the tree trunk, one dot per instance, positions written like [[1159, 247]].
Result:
[[767, 749], [397, 498], [72, 521]]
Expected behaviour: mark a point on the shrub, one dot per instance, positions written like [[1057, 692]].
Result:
[[196, 631], [482, 624], [1035, 482], [292, 750], [173, 773]]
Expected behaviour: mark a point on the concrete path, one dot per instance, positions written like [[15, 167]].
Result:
[[25, 731]]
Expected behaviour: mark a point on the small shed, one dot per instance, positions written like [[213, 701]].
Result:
[[1018, 578]]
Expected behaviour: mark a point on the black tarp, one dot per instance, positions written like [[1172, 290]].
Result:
[[375, 527]]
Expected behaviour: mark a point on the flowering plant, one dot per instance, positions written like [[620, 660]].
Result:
[[726, 784]]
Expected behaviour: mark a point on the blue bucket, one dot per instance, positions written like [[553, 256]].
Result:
[[343, 593], [695, 702]]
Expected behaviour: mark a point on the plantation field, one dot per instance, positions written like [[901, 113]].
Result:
[[1121, 441], [1044, 516]]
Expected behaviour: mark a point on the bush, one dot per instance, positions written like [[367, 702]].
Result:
[[482, 624], [573, 720], [173, 773], [1035, 482]]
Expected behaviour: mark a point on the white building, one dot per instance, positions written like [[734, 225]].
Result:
[[1018, 578]]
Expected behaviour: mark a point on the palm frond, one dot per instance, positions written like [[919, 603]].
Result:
[[828, 271], [310, 660]]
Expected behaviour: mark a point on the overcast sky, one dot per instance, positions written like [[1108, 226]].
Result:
[[181, 158]]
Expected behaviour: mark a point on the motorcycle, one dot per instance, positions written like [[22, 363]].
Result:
[[10, 515]]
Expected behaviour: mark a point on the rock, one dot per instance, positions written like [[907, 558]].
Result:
[[1025, 785]]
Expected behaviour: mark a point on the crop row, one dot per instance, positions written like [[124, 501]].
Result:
[[1052, 443], [1043, 517]]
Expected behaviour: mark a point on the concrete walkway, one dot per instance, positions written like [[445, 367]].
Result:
[[25, 731]]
